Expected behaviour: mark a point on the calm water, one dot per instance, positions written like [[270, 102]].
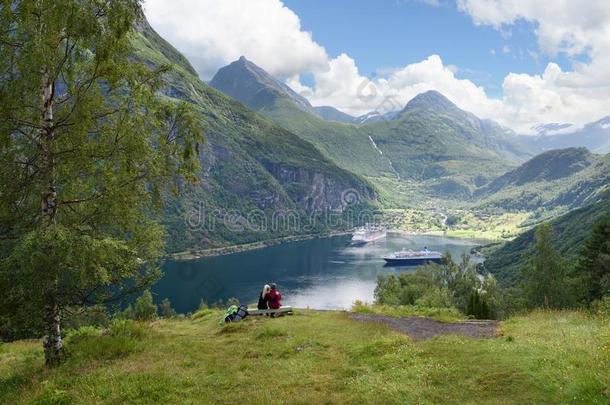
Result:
[[318, 273]]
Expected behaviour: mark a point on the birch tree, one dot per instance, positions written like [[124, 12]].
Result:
[[87, 151]]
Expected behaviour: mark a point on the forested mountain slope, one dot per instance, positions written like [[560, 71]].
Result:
[[248, 164], [571, 230], [432, 141], [564, 178]]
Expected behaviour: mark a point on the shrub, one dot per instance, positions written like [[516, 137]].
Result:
[[122, 337], [452, 220], [431, 285], [126, 328], [435, 298], [145, 309], [166, 309], [128, 313], [440, 314], [84, 332], [478, 305]]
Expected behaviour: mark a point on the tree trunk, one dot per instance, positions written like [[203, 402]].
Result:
[[52, 342]]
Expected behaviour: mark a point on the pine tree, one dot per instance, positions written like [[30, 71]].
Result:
[[545, 278], [594, 263], [87, 149], [144, 308]]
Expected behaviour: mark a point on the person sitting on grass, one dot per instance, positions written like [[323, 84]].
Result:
[[263, 298], [275, 297]]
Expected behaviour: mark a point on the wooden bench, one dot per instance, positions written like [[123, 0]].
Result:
[[282, 310]]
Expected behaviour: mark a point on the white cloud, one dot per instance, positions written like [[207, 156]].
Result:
[[581, 95], [343, 87], [212, 33], [573, 27]]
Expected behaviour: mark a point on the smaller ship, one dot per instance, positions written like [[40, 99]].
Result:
[[367, 234], [411, 258]]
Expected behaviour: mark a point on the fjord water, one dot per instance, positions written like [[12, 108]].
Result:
[[319, 273]]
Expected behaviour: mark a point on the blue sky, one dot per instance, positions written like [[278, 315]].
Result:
[[519, 62], [393, 33]]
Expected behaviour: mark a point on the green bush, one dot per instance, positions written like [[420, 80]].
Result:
[[166, 309], [122, 337], [84, 332], [126, 328], [478, 306], [144, 308], [449, 285], [435, 298]]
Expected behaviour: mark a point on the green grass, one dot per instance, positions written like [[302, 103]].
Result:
[[318, 357], [468, 224], [440, 314]]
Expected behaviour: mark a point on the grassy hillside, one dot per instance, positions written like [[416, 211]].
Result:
[[570, 230], [249, 164], [446, 151], [317, 357], [432, 140], [346, 144], [564, 179]]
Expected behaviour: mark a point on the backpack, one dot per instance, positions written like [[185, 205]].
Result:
[[235, 314], [242, 312]]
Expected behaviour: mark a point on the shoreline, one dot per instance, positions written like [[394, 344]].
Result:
[[452, 235], [227, 250]]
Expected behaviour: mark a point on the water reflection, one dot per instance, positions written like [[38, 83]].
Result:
[[319, 273]]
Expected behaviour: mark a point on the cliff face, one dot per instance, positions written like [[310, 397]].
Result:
[[314, 191], [249, 165]]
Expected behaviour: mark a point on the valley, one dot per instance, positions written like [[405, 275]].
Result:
[[199, 204], [428, 169], [430, 155]]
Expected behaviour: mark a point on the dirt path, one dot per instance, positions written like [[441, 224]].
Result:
[[426, 328]]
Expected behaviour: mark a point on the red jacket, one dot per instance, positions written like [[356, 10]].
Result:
[[275, 299]]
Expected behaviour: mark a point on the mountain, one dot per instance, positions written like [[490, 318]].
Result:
[[432, 102], [251, 168], [453, 151], [375, 116], [570, 230], [447, 151], [564, 178], [246, 82], [343, 143], [332, 114], [594, 136]]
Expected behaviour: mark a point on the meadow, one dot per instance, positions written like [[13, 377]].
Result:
[[315, 357]]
